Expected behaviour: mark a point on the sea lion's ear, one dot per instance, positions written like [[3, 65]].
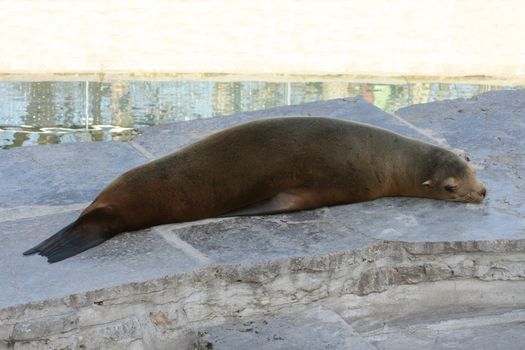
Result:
[[428, 183]]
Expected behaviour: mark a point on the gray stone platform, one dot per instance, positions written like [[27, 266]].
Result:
[[383, 274]]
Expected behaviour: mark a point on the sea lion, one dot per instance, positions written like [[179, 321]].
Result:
[[265, 167]]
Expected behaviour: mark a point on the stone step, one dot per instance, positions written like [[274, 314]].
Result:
[[321, 328], [316, 328]]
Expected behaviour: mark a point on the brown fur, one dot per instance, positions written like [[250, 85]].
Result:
[[269, 166]]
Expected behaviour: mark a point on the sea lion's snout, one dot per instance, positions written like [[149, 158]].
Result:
[[476, 190], [478, 195]]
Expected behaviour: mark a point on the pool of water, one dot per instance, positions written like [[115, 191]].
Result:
[[33, 113]]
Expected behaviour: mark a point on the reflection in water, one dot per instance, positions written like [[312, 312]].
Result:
[[56, 112]]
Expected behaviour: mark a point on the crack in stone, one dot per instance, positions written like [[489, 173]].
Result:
[[174, 240], [141, 150]]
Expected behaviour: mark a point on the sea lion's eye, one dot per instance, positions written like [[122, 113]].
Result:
[[451, 188]]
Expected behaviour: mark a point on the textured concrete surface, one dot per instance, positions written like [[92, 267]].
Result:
[[324, 329], [313, 329], [378, 263], [477, 330], [69, 173]]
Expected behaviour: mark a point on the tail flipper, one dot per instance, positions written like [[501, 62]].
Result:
[[87, 231]]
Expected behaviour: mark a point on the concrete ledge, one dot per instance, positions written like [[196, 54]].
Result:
[[389, 261], [363, 286]]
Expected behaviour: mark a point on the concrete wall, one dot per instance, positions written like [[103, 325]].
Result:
[[353, 37]]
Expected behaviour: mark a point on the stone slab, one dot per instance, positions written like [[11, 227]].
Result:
[[249, 239], [312, 329], [61, 174], [426, 220], [130, 257], [462, 330]]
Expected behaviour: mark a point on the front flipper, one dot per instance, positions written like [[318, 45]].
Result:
[[87, 231], [282, 202]]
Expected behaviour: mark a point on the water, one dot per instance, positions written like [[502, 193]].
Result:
[[34, 113]]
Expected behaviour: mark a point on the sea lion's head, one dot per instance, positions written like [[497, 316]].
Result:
[[453, 179]]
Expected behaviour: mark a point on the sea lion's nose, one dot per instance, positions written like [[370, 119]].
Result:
[[483, 192]]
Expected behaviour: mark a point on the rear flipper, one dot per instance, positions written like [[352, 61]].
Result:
[[87, 231]]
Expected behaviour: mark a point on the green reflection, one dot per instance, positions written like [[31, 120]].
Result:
[[55, 112]]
